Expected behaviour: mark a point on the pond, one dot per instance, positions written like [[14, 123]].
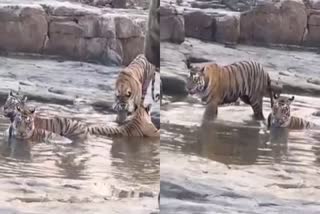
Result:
[[234, 165], [83, 177]]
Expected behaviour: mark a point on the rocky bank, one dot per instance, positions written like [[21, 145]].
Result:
[[289, 22], [76, 31]]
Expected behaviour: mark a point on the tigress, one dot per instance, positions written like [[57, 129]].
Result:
[[152, 40], [280, 116], [74, 130], [23, 127], [219, 85], [139, 126], [131, 86]]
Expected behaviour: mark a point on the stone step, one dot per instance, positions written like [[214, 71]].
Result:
[[205, 5]]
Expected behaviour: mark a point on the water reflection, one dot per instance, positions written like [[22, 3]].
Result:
[[233, 143]]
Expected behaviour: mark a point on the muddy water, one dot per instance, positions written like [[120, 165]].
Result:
[[236, 162], [88, 177]]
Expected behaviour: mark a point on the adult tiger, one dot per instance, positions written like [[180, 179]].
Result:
[[218, 85], [72, 129], [280, 116], [131, 86], [139, 126]]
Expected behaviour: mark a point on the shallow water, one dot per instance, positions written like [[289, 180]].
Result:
[[267, 164], [99, 172]]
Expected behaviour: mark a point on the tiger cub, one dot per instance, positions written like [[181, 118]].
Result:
[[280, 117], [139, 126], [131, 87], [219, 85], [74, 130], [23, 126]]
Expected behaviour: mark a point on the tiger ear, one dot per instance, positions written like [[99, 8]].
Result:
[[291, 99], [24, 99], [18, 108], [10, 93], [148, 107], [189, 66], [276, 96], [32, 110]]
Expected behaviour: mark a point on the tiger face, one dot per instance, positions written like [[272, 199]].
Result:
[[10, 106], [196, 81], [281, 110], [23, 123], [126, 99]]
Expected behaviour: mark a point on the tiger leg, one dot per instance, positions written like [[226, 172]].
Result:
[[256, 105], [211, 112]]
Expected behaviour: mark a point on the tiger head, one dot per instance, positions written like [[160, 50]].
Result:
[[10, 106], [196, 80], [23, 123], [281, 110], [127, 95]]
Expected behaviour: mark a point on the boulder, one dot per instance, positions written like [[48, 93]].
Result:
[[200, 25], [315, 4], [284, 22], [22, 28], [126, 27], [118, 3], [312, 37], [228, 29], [171, 25], [131, 47]]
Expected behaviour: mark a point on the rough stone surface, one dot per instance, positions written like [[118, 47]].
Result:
[[171, 25], [22, 28], [284, 22], [227, 29], [200, 25], [73, 31]]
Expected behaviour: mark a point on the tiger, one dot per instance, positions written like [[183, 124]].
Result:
[[72, 129], [219, 85], [13, 100], [139, 126], [152, 40], [280, 116], [131, 87], [23, 127]]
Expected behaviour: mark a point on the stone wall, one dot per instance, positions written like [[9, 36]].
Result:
[[111, 37], [289, 22]]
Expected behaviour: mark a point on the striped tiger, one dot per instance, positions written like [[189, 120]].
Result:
[[13, 100], [280, 116], [219, 85], [139, 126], [23, 127], [131, 87], [74, 130]]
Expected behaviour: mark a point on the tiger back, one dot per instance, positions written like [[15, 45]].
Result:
[[132, 85], [139, 126], [217, 85], [280, 116]]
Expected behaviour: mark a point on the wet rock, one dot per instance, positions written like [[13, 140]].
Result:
[[206, 5], [317, 113], [228, 29], [119, 3], [284, 22], [171, 25], [200, 25], [127, 28], [22, 28]]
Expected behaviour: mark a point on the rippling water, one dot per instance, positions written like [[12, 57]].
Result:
[[98, 170], [279, 163]]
